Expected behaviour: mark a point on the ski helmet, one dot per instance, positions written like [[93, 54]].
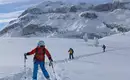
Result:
[[41, 43]]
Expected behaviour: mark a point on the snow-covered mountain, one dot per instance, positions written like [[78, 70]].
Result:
[[122, 0], [59, 19]]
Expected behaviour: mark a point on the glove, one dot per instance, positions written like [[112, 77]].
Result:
[[25, 55], [51, 62]]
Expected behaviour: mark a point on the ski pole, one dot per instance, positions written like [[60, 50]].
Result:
[[54, 72], [25, 57]]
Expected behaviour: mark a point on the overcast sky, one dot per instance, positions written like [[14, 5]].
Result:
[[11, 9]]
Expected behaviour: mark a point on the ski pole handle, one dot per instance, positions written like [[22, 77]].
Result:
[[25, 56]]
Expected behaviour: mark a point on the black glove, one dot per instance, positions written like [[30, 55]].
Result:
[[51, 62], [25, 55]]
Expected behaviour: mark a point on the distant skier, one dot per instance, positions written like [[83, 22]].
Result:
[[104, 48], [39, 59], [71, 53]]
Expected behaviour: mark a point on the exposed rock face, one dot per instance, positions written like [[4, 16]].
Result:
[[32, 29], [111, 6], [89, 15]]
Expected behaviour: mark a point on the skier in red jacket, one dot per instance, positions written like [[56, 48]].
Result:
[[39, 59]]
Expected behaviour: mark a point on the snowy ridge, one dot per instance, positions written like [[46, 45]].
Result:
[[122, 0]]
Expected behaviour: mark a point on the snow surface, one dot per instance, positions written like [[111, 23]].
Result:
[[90, 62]]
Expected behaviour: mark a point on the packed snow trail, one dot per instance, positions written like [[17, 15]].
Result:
[[88, 55]]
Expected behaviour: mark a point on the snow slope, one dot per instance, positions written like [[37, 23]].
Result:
[[90, 62]]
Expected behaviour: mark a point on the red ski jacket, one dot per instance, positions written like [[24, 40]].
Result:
[[40, 53]]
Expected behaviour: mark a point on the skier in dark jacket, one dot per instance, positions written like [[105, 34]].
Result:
[[104, 48], [39, 59], [71, 53]]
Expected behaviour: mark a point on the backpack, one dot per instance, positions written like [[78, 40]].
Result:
[[39, 56], [71, 51], [104, 46]]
